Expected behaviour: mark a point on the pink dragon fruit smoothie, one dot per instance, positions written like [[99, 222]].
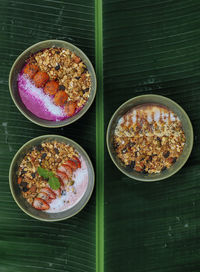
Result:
[[38, 102], [54, 84]]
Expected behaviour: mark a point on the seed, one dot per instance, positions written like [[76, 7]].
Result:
[[33, 175], [78, 77], [57, 67], [23, 172], [24, 186], [86, 90], [166, 154], [43, 156], [71, 182], [124, 150], [131, 165], [61, 87], [164, 168], [56, 150], [130, 144], [39, 148], [174, 160]]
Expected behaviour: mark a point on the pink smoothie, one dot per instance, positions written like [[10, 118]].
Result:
[[39, 103], [71, 198]]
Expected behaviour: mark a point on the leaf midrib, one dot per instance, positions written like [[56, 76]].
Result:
[[99, 139]]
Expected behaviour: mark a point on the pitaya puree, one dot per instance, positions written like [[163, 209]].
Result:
[[39, 103], [69, 199]]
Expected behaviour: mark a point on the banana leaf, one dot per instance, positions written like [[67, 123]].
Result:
[[152, 47], [27, 244], [137, 47]]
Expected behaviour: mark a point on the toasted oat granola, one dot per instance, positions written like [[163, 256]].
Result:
[[149, 138], [68, 69], [48, 155]]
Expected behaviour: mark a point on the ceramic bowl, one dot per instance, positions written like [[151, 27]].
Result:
[[16, 192], [20, 62], [187, 127]]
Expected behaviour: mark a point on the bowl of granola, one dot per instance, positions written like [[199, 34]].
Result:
[[52, 83], [51, 178], [149, 138]]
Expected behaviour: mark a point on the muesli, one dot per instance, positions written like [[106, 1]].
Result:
[[52, 176], [149, 138]]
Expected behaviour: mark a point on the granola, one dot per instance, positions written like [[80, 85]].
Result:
[[69, 70], [149, 138]]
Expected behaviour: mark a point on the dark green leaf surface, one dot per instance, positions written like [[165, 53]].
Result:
[[148, 47], [152, 47], [27, 244]]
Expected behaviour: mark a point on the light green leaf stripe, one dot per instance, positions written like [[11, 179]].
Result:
[[99, 139]]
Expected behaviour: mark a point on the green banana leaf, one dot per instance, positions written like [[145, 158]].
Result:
[[137, 47]]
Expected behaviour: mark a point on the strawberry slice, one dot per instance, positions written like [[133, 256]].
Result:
[[61, 181], [76, 159], [57, 192], [63, 177], [40, 204], [48, 191], [68, 170], [71, 164], [62, 174], [45, 197]]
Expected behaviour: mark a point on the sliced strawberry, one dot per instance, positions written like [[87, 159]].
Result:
[[45, 197], [62, 174], [71, 164], [61, 181], [40, 204], [47, 190], [68, 170], [57, 192], [78, 161]]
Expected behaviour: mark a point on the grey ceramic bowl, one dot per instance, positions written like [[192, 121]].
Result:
[[187, 127], [24, 205], [17, 67]]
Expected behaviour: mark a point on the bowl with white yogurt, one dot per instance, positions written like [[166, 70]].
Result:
[[51, 178], [52, 83], [149, 138]]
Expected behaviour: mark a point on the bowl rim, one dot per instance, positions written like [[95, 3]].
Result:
[[40, 138], [54, 124], [152, 96]]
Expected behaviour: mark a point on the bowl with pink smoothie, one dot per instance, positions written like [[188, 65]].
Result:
[[52, 83], [51, 178]]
